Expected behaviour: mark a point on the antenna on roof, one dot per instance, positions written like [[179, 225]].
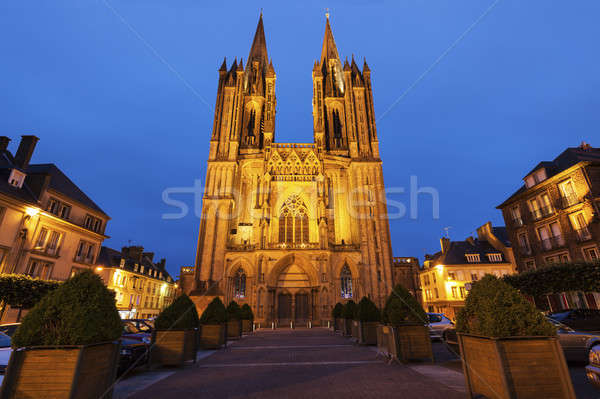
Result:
[[327, 13], [447, 230]]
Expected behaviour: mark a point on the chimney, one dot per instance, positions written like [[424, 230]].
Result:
[[444, 243], [149, 255], [134, 253], [4, 143], [161, 265], [25, 151]]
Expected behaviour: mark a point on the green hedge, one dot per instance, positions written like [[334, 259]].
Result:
[[180, 315], [234, 312], [337, 311], [349, 310], [80, 311], [367, 311], [402, 307], [20, 291], [558, 278], [215, 313], [247, 313], [493, 308]]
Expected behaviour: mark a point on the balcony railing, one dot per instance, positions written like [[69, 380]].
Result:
[[568, 200], [552, 243], [294, 245], [583, 234], [541, 212], [345, 247], [241, 247]]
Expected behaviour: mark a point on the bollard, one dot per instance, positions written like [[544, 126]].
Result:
[[328, 324], [272, 325], [309, 324]]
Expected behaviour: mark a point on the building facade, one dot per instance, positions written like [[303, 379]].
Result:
[[554, 217], [142, 287], [49, 228], [446, 275], [405, 271], [293, 228]]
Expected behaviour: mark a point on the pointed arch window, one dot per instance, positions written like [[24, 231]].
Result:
[[337, 125], [239, 284], [293, 222], [346, 282]]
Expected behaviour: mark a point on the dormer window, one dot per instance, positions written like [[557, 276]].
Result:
[[495, 257], [122, 264], [16, 178], [59, 208], [536, 177], [92, 223], [472, 258]]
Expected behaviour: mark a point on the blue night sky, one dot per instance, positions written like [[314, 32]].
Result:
[[121, 92]]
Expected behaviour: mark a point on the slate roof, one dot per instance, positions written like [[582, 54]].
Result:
[[109, 257], [568, 158], [502, 234], [31, 191]]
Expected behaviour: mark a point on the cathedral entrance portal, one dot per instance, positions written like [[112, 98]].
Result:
[[284, 308], [301, 309], [292, 297]]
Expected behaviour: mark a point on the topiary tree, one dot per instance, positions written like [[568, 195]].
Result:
[[402, 307], [349, 310], [367, 311], [23, 292], [247, 313], [337, 311], [80, 311], [493, 308], [215, 313], [180, 315], [234, 312]]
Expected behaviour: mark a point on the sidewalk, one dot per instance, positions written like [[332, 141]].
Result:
[[302, 363]]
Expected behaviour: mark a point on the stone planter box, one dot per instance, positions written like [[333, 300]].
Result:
[[246, 326], [409, 342], [173, 347], [383, 340], [355, 329], [234, 329], [367, 332], [515, 367], [338, 324], [70, 372], [212, 336], [347, 327]]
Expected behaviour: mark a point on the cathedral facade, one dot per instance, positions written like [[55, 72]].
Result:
[[293, 228]]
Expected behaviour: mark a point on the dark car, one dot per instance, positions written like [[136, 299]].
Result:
[[137, 331], [144, 325], [5, 351], [134, 353], [578, 319], [9, 328]]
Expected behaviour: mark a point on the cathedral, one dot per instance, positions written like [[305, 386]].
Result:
[[293, 228]]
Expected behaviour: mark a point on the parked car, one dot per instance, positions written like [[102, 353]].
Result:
[[9, 328], [592, 370], [5, 351], [576, 345], [134, 353], [438, 323], [133, 332], [144, 325], [579, 319]]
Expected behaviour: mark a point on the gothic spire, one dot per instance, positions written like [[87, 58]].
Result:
[[329, 50], [258, 51]]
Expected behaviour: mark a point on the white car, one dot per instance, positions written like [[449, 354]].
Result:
[[5, 351], [438, 324]]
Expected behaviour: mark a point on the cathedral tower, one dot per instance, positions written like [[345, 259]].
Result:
[[293, 228]]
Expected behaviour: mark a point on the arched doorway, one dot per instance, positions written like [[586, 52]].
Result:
[[293, 300]]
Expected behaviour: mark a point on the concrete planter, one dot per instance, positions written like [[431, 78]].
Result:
[[515, 367], [338, 324], [234, 329], [212, 336], [246, 326], [383, 340], [173, 347], [367, 332], [70, 372]]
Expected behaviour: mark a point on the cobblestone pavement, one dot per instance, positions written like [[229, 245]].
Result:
[[302, 363]]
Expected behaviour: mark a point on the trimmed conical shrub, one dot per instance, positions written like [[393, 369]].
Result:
[[234, 312], [349, 310], [80, 311], [337, 311], [367, 311], [401, 307], [493, 308], [180, 315], [247, 313], [215, 313]]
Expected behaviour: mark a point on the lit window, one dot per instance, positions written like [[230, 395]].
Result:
[[495, 257], [454, 292], [240, 284], [472, 258], [293, 222], [346, 282], [591, 254]]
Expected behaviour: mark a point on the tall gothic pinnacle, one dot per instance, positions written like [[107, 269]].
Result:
[[258, 51], [329, 50]]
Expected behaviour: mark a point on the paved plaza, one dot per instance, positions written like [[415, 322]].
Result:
[[303, 363]]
